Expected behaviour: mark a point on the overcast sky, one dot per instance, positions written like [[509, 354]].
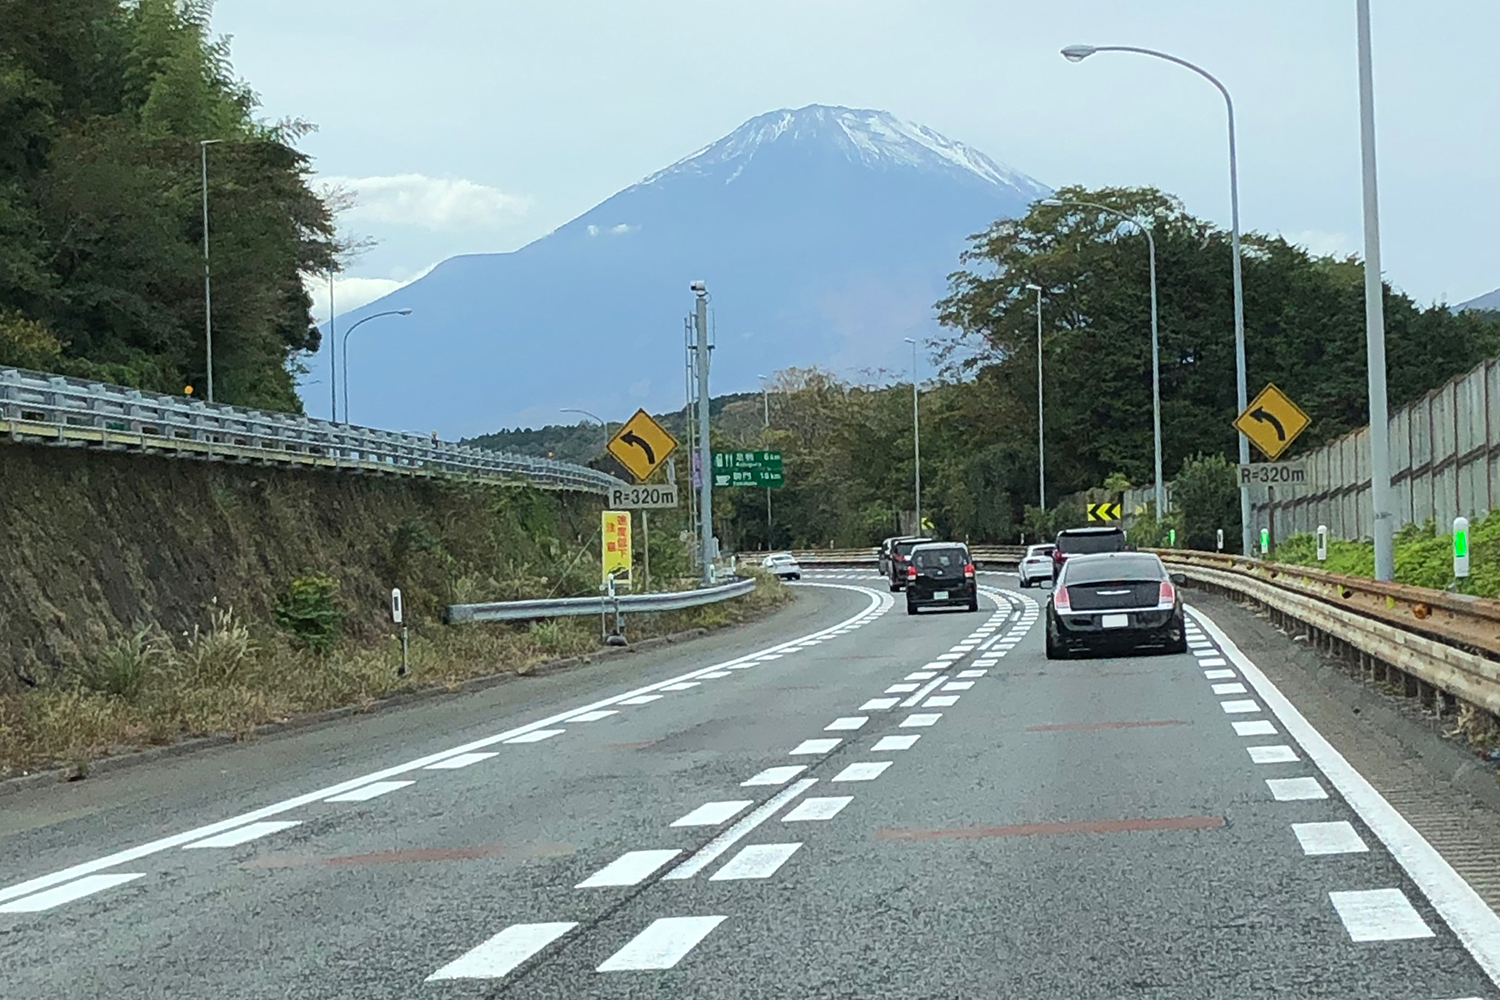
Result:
[[480, 125]]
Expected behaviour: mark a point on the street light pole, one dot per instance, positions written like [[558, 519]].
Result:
[[1380, 454], [208, 299], [916, 432], [333, 358], [705, 448], [1161, 490], [1041, 461], [765, 397], [356, 326], [1077, 53]]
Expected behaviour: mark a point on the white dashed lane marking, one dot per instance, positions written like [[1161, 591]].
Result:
[[662, 945], [895, 743], [1222, 689], [812, 810], [958, 685], [1329, 838], [900, 688], [739, 831], [846, 723], [815, 746], [1295, 789], [775, 775], [755, 861], [642, 699], [1257, 727], [1379, 915], [941, 701], [714, 813], [921, 719], [369, 791], [878, 704], [1273, 755], [628, 869], [596, 714], [680, 686], [245, 834], [1218, 675], [67, 892], [465, 759], [1239, 707], [537, 735], [501, 954], [863, 771]]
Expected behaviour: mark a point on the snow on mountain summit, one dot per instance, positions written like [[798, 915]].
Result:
[[874, 138]]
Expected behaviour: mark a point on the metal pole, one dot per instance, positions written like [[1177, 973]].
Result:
[[705, 455], [646, 549], [916, 433], [1380, 453], [208, 309], [333, 361], [345, 351], [1041, 461], [765, 396], [1161, 489]]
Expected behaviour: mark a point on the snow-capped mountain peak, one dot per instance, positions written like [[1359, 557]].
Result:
[[875, 138]]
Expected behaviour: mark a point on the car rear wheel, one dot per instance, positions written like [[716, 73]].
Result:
[[911, 607], [974, 604], [1054, 650]]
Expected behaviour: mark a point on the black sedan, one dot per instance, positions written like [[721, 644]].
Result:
[[1115, 601], [940, 574]]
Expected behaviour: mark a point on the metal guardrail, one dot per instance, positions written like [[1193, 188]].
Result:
[[40, 408], [1448, 641], [510, 611], [997, 555]]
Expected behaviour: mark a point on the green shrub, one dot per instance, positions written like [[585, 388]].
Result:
[[123, 666], [309, 610]]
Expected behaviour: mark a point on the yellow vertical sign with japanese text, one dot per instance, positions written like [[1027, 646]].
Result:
[[616, 544]]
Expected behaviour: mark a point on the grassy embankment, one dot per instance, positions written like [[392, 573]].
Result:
[[1424, 558]]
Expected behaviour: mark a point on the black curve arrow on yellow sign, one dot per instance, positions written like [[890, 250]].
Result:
[[1260, 414], [630, 437]]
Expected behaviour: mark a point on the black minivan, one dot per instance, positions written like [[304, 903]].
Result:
[[940, 574]]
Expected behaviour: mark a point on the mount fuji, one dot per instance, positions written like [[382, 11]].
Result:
[[824, 234]]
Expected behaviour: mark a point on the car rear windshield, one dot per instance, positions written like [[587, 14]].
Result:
[[1040, 550], [939, 558], [1103, 541], [904, 547], [1113, 570]]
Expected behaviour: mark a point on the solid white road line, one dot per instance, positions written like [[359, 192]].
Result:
[[1329, 838], [926, 690], [741, 829], [812, 810], [1476, 925], [463, 760], [714, 813], [958, 685], [536, 736], [863, 771], [233, 838], [643, 699], [775, 775], [1239, 707], [1379, 915], [503, 952], [66, 893], [815, 746], [878, 704], [681, 686], [921, 719], [630, 868], [895, 743], [755, 861], [846, 723], [1229, 688], [662, 945], [1218, 675], [1273, 755], [1295, 789], [941, 701], [713, 676], [366, 792], [1258, 727]]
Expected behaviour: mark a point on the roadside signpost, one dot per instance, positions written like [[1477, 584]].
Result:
[[641, 445], [1322, 542], [397, 616], [615, 537], [1273, 473], [1219, 541], [651, 496], [1271, 422], [1265, 540], [1460, 547], [761, 469], [1108, 510]]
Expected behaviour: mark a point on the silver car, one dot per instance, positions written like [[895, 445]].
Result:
[[1036, 565]]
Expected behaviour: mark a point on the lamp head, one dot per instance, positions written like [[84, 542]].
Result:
[[403, 312], [1078, 53]]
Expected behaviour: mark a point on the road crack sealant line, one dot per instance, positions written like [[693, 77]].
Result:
[[879, 604], [1466, 914]]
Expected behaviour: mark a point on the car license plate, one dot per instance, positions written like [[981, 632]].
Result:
[[1114, 621], [940, 595]]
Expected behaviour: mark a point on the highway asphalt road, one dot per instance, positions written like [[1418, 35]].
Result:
[[842, 801]]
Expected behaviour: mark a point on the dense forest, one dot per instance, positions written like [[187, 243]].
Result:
[[103, 106]]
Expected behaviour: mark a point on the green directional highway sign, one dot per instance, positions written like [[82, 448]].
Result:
[[748, 468]]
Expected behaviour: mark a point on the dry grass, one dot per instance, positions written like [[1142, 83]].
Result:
[[152, 690]]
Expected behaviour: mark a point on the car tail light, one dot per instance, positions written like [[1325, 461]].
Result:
[[969, 570], [1061, 601], [1168, 595], [911, 572]]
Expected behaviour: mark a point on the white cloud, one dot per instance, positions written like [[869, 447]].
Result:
[[619, 230], [437, 203], [1321, 244], [349, 293]]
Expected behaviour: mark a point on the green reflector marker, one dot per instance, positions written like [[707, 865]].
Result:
[[1460, 544]]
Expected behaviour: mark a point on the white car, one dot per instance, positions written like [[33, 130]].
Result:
[[783, 565], [1036, 565]]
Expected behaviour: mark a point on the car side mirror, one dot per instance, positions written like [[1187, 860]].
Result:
[[1179, 578]]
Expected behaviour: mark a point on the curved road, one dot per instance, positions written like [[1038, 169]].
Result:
[[842, 801]]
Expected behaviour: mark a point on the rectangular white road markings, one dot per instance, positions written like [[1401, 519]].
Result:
[[1329, 838], [1295, 789], [811, 810], [1205, 652], [815, 746], [958, 685], [713, 675], [536, 736], [67, 892], [463, 760], [848, 722], [951, 656], [900, 688], [936, 667], [714, 813], [740, 666], [941, 701], [642, 699], [1258, 727], [370, 791], [1239, 707], [972, 673], [919, 719], [741, 829], [1217, 661], [775, 775], [1218, 675], [679, 686], [987, 662], [1229, 689], [895, 743], [244, 834], [628, 869], [921, 675], [1272, 755], [499, 955], [863, 771], [755, 861], [662, 945], [878, 704], [1379, 915], [595, 715]]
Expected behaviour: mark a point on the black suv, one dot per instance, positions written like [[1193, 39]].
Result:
[[1085, 541], [940, 574], [896, 561]]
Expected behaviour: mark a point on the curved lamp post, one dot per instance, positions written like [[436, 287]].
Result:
[[356, 326]]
